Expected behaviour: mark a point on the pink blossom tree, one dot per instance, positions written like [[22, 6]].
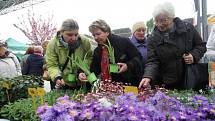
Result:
[[36, 29]]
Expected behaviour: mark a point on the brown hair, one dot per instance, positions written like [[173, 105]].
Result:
[[30, 50]]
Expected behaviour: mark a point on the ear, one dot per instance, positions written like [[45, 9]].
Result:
[[107, 33]]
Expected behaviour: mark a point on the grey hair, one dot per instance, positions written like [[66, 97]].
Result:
[[100, 24], [165, 8], [68, 25]]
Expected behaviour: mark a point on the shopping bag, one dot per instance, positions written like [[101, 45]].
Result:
[[196, 76]]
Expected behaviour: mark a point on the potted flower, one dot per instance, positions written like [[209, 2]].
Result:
[[72, 74], [113, 66], [83, 65]]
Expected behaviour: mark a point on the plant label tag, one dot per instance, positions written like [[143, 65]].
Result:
[[5, 85], [131, 89], [40, 91], [32, 91]]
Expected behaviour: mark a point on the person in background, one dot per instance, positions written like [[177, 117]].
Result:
[[127, 57], [139, 40], [28, 52], [67, 42], [44, 46], [34, 63], [172, 44], [9, 64]]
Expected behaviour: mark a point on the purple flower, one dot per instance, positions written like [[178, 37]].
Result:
[[200, 100], [133, 117], [86, 114], [42, 109], [73, 112]]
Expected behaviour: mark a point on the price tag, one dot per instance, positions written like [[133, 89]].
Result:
[[131, 89]]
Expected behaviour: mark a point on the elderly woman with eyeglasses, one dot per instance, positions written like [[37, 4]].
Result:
[[172, 44]]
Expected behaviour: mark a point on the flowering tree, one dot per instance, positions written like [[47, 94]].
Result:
[[36, 29]]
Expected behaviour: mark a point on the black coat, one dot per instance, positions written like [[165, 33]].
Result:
[[34, 65], [125, 52], [165, 63]]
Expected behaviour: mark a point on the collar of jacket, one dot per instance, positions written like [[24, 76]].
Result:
[[62, 42], [138, 44]]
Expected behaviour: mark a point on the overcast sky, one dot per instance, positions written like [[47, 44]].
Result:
[[117, 13]]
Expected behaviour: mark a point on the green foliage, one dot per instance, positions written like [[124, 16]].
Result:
[[51, 97], [18, 88], [21, 110], [110, 52], [150, 25], [82, 63], [185, 96]]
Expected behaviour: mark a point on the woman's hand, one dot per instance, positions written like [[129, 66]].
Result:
[[82, 77], [122, 67], [188, 58], [144, 82]]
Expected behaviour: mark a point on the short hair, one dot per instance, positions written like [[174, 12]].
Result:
[[68, 25], [165, 8], [38, 49], [30, 50], [100, 24]]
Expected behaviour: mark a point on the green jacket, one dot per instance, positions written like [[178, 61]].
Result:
[[56, 55]]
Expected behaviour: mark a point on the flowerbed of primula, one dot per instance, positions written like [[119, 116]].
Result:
[[125, 107]]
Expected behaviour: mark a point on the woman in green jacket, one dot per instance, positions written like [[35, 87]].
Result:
[[61, 53]]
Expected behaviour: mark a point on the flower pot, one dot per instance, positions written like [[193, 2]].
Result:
[[91, 78], [114, 68], [71, 77]]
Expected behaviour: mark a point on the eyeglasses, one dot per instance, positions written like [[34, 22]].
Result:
[[162, 21]]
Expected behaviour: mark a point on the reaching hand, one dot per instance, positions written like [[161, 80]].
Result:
[[122, 67], [59, 83], [144, 82], [82, 77]]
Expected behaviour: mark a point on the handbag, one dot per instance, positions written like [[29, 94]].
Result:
[[196, 76]]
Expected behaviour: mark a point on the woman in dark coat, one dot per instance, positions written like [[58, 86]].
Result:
[[172, 44], [127, 57]]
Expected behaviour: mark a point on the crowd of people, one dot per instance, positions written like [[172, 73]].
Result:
[[141, 61]]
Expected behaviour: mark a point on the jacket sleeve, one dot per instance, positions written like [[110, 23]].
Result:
[[52, 60], [17, 64], [25, 69], [95, 65], [152, 65], [199, 46]]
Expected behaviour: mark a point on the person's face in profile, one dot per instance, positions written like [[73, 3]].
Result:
[[3, 51], [163, 22], [70, 36], [100, 36]]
